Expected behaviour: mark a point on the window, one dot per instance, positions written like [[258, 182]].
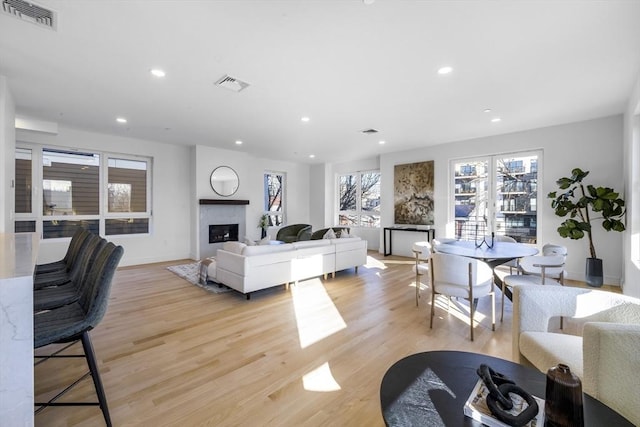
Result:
[[499, 196], [72, 190], [274, 183], [126, 197], [359, 199]]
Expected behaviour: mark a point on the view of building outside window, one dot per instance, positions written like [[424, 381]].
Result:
[[509, 210]]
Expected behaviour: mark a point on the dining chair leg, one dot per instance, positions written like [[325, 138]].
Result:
[[471, 315], [502, 305], [493, 310], [433, 304], [97, 382]]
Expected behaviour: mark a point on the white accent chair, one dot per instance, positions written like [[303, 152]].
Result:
[[462, 277], [605, 354], [422, 253]]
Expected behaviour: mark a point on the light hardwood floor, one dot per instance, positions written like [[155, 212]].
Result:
[[173, 354]]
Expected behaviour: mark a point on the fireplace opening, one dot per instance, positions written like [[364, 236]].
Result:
[[223, 233]]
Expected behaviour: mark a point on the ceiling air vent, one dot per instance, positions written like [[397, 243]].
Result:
[[370, 131], [30, 12], [231, 83]]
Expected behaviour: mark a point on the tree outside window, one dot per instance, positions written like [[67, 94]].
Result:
[[274, 183], [359, 199]]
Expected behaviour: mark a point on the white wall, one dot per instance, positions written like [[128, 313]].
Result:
[[171, 202], [631, 284], [251, 173], [594, 145], [7, 156]]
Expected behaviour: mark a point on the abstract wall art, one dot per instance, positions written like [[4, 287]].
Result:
[[413, 193]]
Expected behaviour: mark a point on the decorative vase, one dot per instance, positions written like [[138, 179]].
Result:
[[563, 398], [593, 272], [263, 233]]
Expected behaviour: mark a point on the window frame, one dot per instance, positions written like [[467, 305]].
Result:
[[283, 198], [492, 202], [37, 178], [358, 212]]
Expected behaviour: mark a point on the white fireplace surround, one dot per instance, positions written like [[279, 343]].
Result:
[[214, 212]]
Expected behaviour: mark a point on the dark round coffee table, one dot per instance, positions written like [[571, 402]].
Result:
[[430, 389]]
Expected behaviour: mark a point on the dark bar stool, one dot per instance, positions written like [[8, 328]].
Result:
[[60, 277], [47, 298], [72, 322], [72, 251]]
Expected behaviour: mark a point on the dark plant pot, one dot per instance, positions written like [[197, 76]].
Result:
[[593, 272]]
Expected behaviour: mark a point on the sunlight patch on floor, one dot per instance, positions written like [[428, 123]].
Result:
[[374, 263], [316, 315], [320, 379], [458, 310]]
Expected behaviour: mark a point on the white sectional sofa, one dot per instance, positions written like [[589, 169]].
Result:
[[251, 268]]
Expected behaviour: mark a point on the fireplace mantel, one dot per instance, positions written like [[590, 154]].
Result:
[[223, 202]]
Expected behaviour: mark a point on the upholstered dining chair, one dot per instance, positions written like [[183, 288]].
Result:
[[71, 323], [537, 270], [462, 277], [422, 254], [513, 263]]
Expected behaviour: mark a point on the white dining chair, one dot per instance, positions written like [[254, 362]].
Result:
[[537, 270], [462, 277], [422, 254]]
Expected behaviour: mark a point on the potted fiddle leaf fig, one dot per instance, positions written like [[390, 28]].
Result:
[[584, 203]]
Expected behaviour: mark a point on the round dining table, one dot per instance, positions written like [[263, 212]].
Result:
[[498, 253], [493, 254]]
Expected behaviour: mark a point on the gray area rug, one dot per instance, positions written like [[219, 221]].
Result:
[[190, 273]]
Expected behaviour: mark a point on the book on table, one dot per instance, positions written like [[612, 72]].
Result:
[[476, 407]]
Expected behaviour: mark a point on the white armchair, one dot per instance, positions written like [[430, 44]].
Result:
[[605, 354]]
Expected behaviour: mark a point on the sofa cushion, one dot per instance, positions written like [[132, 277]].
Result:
[[310, 243], [350, 244], [344, 234], [265, 249], [330, 234], [249, 242], [545, 350], [235, 247], [264, 241]]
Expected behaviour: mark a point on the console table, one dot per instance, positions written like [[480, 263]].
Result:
[[431, 234], [18, 253]]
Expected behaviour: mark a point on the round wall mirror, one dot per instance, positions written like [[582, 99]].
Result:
[[224, 181]]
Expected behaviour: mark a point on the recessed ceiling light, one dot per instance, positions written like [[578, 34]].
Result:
[[158, 72], [121, 120], [487, 110], [496, 119], [381, 142], [238, 142], [445, 70], [305, 119], [311, 156]]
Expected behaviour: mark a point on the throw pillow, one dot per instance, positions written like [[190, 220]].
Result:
[[330, 234], [249, 242], [344, 234], [264, 241]]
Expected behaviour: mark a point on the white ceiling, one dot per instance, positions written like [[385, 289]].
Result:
[[346, 65]]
